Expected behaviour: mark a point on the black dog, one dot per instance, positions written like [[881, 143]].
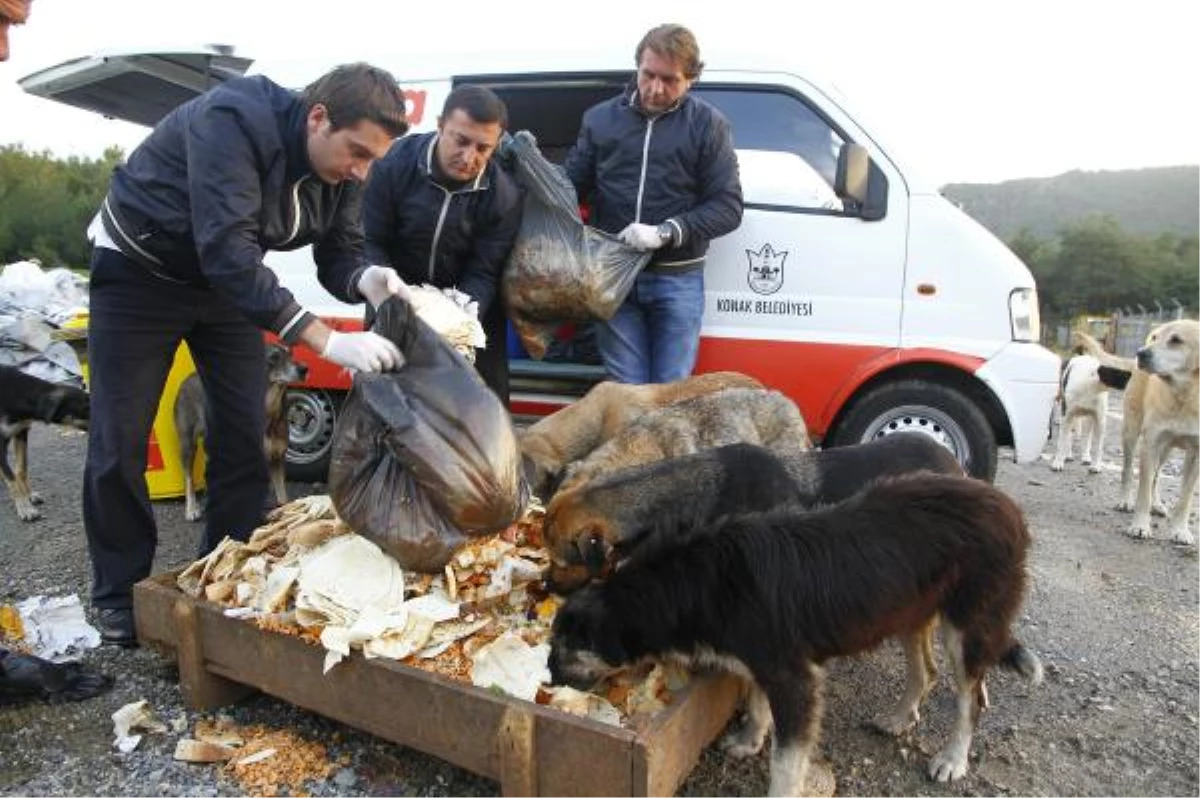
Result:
[[25, 399], [771, 596], [591, 527]]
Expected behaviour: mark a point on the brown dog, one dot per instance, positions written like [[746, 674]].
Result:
[[731, 415], [191, 423], [571, 433], [25, 399], [589, 529]]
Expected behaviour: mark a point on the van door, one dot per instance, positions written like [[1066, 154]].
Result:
[[136, 87], [805, 290]]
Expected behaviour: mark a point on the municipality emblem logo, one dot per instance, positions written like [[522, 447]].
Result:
[[766, 269]]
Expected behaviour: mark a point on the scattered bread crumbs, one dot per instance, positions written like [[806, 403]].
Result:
[[294, 763], [309, 634]]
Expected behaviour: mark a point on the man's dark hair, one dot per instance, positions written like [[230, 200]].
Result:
[[676, 43], [479, 103], [354, 92]]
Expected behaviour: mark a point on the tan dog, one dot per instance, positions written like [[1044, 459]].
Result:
[[570, 434], [1161, 411], [732, 415]]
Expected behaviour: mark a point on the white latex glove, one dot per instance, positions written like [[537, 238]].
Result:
[[362, 351], [380, 282], [640, 236]]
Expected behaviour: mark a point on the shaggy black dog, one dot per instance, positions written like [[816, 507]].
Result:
[[25, 399], [771, 596]]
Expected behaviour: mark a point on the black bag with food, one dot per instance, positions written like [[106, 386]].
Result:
[[425, 456], [560, 269]]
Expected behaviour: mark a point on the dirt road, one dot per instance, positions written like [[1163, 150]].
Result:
[[1114, 620]]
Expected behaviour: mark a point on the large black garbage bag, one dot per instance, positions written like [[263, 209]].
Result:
[[560, 269], [426, 455]]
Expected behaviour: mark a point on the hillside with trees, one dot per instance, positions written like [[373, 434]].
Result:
[[1143, 201]]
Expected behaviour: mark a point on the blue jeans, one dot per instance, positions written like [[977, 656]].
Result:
[[655, 334]]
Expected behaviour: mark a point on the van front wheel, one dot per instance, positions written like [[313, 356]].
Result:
[[941, 412], [311, 415]]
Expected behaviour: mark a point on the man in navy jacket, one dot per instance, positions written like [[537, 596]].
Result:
[[440, 211], [658, 168], [247, 167]]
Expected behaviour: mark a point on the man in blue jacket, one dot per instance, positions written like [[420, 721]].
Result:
[[659, 169], [440, 211], [245, 168]]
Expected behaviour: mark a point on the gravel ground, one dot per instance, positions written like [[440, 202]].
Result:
[[1113, 619]]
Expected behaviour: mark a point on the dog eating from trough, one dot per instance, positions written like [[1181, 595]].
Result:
[[191, 424], [590, 528], [772, 596], [24, 400]]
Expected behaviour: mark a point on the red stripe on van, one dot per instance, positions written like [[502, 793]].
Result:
[[818, 377]]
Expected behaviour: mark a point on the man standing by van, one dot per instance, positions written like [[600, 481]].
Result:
[[440, 211], [658, 167], [244, 168]]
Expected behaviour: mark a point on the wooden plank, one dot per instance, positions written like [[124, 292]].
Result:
[[518, 752], [201, 689], [542, 751], [671, 742]]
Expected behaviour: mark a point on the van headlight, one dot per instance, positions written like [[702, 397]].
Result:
[[1023, 314]]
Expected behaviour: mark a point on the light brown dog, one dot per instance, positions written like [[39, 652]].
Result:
[[732, 415], [570, 434], [1161, 411]]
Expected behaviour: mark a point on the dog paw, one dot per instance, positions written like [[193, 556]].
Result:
[[947, 765], [1095, 468], [29, 513], [1085, 460], [1182, 535], [1057, 465], [193, 514], [896, 723], [1159, 510], [36, 498], [742, 743], [1140, 529], [1125, 505]]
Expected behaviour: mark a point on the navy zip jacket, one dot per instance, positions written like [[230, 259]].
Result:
[[678, 167], [224, 178], [432, 234]]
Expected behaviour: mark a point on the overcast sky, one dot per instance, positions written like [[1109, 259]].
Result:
[[967, 91]]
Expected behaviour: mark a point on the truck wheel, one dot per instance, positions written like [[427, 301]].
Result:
[[311, 415], [940, 412]]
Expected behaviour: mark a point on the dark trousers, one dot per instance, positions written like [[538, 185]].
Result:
[[136, 321]]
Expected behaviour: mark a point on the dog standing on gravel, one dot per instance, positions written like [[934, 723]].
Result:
[[191, 423], [25, 399], [1083, 406], [1162, 413], [772, 596]]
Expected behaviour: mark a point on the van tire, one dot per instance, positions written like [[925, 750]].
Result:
[[312, 415], [933, 409]]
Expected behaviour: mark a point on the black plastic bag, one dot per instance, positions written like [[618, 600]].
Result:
[[426, 455], [560, 269]]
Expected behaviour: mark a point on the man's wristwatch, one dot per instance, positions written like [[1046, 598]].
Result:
[[666, 233]]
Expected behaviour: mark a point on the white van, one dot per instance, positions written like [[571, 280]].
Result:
[[851, 286]]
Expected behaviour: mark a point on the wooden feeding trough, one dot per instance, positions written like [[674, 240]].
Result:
[[529, 749]]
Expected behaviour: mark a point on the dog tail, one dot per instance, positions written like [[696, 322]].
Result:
[[1024, 662], [1114, 377], [1092, 347]]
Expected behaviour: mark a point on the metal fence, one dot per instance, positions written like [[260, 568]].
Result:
[[1122, 332]]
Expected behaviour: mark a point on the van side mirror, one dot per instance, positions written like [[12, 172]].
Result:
[[861, 183]]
